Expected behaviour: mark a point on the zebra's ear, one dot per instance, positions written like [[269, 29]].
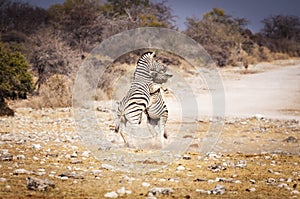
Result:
[[152, 55]]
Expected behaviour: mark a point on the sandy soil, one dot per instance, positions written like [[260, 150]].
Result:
[[255, 153]]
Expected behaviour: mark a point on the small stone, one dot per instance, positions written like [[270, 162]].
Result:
[[64, 178], [219, 189], [200, 180], [71, 175], [20, 171], [251, 189], [213, 155], [86, 153], [107, 166], [6, 157], [76, 162], [145, 184], [228, 180], [282, 185], [39, 184], [36, 146], [202, 191], [96, 172], [180, 168], [186, 157], [2, 179], [295, 192], [241, 164], [121, 191], [252, 181], [291, 139], [74, 155], [156, 191], [271, 181], [20, 157], [111, 194], [35, 158]]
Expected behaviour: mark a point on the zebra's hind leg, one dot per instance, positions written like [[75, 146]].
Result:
[[162, 131], [119, 128], [152, 123]]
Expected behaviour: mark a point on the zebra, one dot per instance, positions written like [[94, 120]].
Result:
[[144, 96]]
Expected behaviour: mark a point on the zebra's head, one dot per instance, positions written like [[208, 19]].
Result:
[[148, 60], [160, 78], [156, 71]]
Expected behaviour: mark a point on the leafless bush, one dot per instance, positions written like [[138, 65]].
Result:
[[56, 92]]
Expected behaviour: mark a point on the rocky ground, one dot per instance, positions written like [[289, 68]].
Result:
[[44, 153], [42, 156]]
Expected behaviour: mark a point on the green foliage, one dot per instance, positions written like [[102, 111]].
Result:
[[15, 80]]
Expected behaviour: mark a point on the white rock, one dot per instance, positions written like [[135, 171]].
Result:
[[160, 191], [282, 185], [35, 158], [202, 191], [2, 179], [295, 192], [20, 157], [219, 189], [145, 184], [64, 178], [252, 189], [96, 172], [180, 168], [74, 155], [86, 153], [186, 157], [21, 171], [36, 146], [111, 194], [107, 166], [213, 155], [121, 191]]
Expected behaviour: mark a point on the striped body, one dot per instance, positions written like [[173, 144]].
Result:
[[143, 96]]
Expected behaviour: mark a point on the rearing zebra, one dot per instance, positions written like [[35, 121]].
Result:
[[144, 96]]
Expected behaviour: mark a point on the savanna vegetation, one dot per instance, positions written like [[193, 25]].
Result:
[[40, 47]]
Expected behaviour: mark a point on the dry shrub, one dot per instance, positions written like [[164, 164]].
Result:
[[278, 56], [265, 54], [56, 92]]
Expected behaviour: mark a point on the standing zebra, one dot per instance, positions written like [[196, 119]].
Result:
[[144, 96]]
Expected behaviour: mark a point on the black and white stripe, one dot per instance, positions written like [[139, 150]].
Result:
[[144, 95]]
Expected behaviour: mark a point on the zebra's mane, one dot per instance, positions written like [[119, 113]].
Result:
[[144, 65]]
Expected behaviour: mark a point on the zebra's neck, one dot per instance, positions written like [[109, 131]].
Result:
[[142, 71]]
